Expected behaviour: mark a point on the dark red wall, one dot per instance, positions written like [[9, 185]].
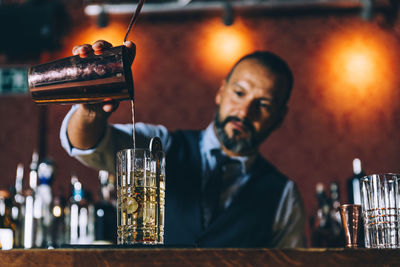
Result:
[[174, 86]]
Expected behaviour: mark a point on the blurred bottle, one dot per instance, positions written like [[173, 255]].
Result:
[[353, 183], [7, 225], [17, 207], [105, 211], [43, 199], [32, 206], [335, 200], [337, 238], [354, 193], [80, 216], [319, 219], [326, 229], [58, 228]]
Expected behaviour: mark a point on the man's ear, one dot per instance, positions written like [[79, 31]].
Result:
[[220, 90]]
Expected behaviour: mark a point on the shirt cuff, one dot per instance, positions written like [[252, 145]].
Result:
[[73, 151]]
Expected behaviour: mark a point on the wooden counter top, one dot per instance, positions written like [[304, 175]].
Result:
[[199, 257]]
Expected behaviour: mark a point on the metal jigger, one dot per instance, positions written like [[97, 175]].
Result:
[[351, 221]]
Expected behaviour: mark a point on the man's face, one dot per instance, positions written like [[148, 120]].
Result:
[[249, 107]]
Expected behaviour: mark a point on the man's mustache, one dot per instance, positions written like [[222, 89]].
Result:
[[246, 122]]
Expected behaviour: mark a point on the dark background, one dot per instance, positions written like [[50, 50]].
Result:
[[339, 110]]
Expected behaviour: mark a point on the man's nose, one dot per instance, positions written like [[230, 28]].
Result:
[[248, 110]]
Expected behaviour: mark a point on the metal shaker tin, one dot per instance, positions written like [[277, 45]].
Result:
[[84, 80]]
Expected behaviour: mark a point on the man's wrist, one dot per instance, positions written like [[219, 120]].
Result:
[[91, 114]]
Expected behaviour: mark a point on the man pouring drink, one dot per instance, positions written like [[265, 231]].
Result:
[[220, 192]]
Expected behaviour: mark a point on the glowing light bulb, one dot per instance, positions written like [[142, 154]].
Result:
[[357, 71], [360, 69], [223, 45]]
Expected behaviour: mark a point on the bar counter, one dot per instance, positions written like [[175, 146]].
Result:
[[199, 257]]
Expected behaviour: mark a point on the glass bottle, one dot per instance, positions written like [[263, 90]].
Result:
[[32, 206], [105, 212], [58, 228], [337, 233], [17, 206], [44, 198], [7, 225], [353, 183], [81, 216]]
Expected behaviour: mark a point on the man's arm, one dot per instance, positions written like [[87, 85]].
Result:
[[115, 138], [86, 135], [88, 124], [98, 154]]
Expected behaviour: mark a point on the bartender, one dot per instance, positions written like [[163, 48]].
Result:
[[220, 191]]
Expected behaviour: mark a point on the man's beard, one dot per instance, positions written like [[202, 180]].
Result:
[[236, 143]]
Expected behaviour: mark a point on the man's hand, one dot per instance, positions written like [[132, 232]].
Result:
[[97, 48], [87, 125]]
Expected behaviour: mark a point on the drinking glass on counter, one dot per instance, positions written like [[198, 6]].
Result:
[[380, 196], [351, 221], [141, 193]]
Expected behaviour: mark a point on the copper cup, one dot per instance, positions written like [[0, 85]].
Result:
[[83, 80], [351, 221]]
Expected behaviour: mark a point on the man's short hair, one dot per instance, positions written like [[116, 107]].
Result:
[[274, 63]]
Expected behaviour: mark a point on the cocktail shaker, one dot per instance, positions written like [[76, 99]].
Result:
[[91, 79]]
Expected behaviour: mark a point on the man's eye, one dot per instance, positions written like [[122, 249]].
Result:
[[265, 106], [239, 93]]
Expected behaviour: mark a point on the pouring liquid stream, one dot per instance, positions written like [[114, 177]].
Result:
[[131, 23], [133, 124]]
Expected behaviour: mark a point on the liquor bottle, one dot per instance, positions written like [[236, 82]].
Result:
[[105, 212], [354, 193], [81, 222], [337, 233], [32, 210], [319, 220], [44, 199], [67, 210], [326, 230], [7, 224], [17, 207], [335, 200], [353, 183], [58, 226]]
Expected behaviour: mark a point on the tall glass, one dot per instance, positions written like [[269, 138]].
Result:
[[141, 194], [379, 196]]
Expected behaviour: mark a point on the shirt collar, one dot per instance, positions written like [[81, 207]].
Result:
[[211, 142]]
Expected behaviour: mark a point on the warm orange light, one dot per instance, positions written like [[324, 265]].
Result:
[[356, 64], [113, 33], [360, 68], [221, 45], [225, 44], [354, 71]]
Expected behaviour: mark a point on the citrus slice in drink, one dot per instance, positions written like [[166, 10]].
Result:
[[131, 205]]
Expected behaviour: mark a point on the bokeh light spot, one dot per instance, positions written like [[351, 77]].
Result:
[[222, 45]]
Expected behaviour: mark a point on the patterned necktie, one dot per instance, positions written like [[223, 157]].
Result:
[[219, 188], [231, 176]]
